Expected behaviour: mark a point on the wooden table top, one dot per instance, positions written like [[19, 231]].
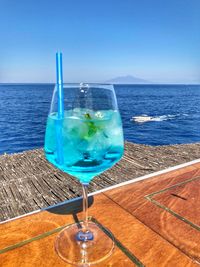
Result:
[[155, 222]]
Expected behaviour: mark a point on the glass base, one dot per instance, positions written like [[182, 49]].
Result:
[[84, 253]]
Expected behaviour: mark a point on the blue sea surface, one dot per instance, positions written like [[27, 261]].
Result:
[[151, 114]]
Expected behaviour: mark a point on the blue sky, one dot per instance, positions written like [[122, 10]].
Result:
[[151, 39]]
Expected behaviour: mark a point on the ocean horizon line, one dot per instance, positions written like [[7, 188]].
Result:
[[120, 84]]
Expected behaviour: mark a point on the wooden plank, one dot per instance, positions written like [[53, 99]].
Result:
[[143, 243], [182, 199], [42, 253], [134, 199], [134, 196]]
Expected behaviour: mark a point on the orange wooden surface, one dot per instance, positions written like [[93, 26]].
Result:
[[148, 232], [158, 204]]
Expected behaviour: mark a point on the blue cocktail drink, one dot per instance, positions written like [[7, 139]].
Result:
[[92, 141]]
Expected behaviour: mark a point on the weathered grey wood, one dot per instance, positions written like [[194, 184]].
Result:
[[28, 182]]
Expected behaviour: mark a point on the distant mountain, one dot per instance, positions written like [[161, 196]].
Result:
[[127, 80]]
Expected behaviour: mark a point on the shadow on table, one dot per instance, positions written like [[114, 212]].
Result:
[[70, 207]]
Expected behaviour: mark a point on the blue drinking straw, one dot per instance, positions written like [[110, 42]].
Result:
[[60, 96], [59, 85]]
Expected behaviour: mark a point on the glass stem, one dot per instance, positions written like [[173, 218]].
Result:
[[85, 234], [85, 207]]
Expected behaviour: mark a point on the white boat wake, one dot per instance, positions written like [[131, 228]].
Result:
[[146, 118]]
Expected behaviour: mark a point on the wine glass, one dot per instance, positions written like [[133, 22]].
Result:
[[84, 138]]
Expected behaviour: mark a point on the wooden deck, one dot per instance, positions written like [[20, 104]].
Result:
[[155, 223], [28, 182]]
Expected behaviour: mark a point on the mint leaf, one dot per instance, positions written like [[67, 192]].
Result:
[[92, 128], [87, 116]]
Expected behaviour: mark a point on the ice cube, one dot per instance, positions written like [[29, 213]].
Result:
[[71, 153], [95, 147], [75, 128], [99, 114]]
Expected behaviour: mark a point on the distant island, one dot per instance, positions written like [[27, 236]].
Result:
[[128, 80]]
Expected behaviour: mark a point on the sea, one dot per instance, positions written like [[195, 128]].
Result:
[[151, 114]]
